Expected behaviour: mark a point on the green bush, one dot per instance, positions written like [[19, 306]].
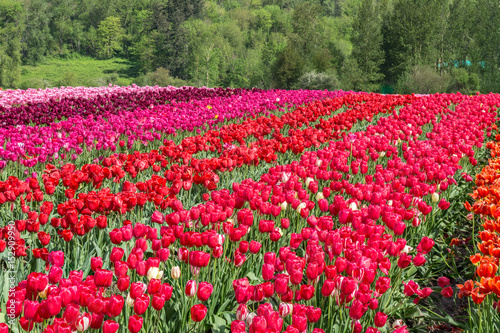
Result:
[[317, 81], [68, 79], [160, 77], [423, 80], [35, 83], [463, 81]]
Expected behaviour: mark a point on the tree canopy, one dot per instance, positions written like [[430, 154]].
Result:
[[349, 44]]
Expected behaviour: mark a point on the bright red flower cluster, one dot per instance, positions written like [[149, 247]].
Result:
[[321, 238]]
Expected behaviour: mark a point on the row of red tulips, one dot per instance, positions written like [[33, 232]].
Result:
[[317, 242]]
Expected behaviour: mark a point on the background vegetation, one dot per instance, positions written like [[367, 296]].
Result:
[[420, 46]]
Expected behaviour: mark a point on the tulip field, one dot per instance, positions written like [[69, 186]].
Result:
[[150, 209]]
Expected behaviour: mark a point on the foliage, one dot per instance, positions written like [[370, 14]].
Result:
[[464, 81], [423, 80], [248, 43], [160, 77], [317, 81], [109, 34]]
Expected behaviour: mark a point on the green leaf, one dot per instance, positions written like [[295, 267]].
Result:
[[98, 250], [252, 277], [227, 316], [219, 324]]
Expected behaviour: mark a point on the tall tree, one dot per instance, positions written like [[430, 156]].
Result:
[[36, 37], [367, 46], [487, 52], [411, 35], [11, 28], [109, 34], [172, 47]]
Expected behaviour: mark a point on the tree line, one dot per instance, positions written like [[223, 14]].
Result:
[[388, 46]]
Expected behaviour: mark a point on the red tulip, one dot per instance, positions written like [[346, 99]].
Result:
[[141, 304], [110, 326], [198, 312], [123, 282], [425, 245], [404, 260], [26, 324], [380, 319], [238, 326], [96, 263], [30, 309], [137, 289], [299, 322], [313, 314], [116, 254], [134, 324], [115, 305], [55, 274], [443, 281], [447, 292], [157, 217], [158, 302], [103, 278], [71, 314], [116, 236], [204, 291], [410, 288], [419, 260], [166, 290], [44, 238], [37, 281], [154, 286], [306, 291], [190, 289], [4, 328]]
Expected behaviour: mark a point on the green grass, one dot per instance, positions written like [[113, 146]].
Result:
[[81, 71]]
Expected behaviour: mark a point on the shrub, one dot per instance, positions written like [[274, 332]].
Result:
[[423, 80], [317, 81], [160, 77], [35, 83]]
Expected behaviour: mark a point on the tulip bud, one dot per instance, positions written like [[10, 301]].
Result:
[[250, 318], [154, 273], [135, 324], [83, 323], [190, 288], [43, 293], [175, 273], [285, 177], [406, 249], [198, 312], [308, 181], [380, 319], [353, 206], [130, 301], [397, 323], [301, 206], [284, 205], [195, 271], [110, 326], [319, 196], [435, 197], [285, 309], [242, 312], [205, 289]]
